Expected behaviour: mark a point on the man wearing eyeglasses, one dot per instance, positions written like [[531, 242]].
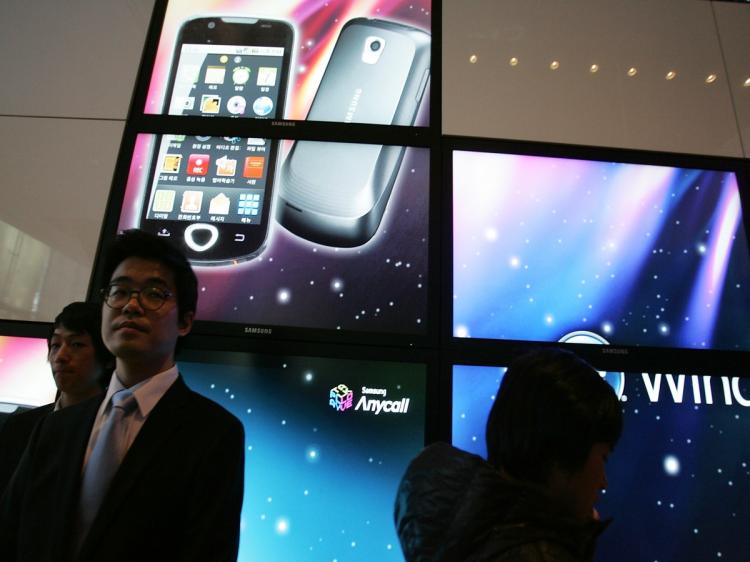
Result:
[[153, 471]]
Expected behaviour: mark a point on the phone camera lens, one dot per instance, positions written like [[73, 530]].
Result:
[[211, 24], [375, 45]]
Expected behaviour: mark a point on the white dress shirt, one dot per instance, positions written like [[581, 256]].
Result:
[[147, 394]]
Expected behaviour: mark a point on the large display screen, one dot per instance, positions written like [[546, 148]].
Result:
[[340, 228], [560, 249], [342, 60], [327, 442], [679, 478], [25, 377]]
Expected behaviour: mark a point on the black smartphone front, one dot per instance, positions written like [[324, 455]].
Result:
[[212, 195]]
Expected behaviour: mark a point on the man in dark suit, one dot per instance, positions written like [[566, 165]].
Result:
[[79, 362], [178, 458]]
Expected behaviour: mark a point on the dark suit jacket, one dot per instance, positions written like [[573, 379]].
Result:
[[177, 495], [14, 436]]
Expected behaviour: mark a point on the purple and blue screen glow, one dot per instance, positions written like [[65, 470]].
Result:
[[380, 286], [25, 376], [679, 477], [320, 482], [636, 254]]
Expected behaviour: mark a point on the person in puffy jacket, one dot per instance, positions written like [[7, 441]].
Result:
[[549, 433]]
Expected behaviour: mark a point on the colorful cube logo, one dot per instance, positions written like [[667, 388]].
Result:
[[341, 398]]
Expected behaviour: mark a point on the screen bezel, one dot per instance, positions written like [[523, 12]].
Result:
[[616, 357]]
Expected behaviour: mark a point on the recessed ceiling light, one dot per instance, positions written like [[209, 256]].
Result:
[[746, 83], [513, 61], [554, 65], [711, 78], [473, 59], [594, 68], [671, 75], [632, 71]]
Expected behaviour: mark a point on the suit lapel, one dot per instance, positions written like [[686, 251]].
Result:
[[79, 421], [163, 421]]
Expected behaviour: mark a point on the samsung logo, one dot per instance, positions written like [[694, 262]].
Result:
[[283, 124], [614, 351], [253, 330], [352, 109]]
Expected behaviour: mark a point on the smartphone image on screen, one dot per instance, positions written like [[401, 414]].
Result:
[[212, 195], [336, 193]]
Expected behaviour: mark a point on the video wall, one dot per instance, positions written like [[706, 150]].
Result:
[[288, 149], [678, 477]]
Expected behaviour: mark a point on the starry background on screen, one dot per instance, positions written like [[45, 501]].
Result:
[[380, 286], [320, 484], [679, 478], [638, 254]]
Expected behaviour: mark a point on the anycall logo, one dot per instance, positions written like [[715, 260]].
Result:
[[341, 398]]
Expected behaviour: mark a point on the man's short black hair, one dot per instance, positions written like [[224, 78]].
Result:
[[551, 408], [139, 244], [85, 318]]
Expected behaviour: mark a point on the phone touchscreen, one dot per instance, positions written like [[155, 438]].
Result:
[[227, 80], [199, 183], [210, 179]]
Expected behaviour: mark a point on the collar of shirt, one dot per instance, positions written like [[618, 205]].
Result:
[[147, 392]]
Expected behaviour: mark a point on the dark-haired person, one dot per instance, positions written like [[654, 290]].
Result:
[[79, 362], [165, 480], [550, 430]]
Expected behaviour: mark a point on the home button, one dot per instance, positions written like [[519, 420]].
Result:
[[200, 237]]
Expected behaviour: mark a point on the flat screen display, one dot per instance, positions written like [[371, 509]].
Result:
[[327, 441], [334, 227], [25, 377], [565, 250], [343, 60], [679, 478]]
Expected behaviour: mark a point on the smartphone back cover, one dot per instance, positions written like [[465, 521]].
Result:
[[336, 193], [365, 86]]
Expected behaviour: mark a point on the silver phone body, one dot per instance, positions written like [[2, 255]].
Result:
[[336, 193]]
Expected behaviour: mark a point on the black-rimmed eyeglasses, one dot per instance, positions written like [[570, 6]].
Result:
[[150, 298]]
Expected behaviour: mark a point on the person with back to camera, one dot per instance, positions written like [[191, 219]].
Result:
[[549, 433], [81, 366], [154, 471]]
